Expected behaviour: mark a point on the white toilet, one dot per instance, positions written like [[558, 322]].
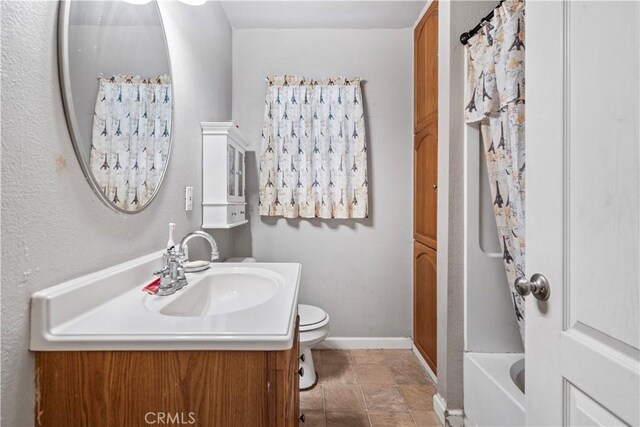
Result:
[[314, 327]]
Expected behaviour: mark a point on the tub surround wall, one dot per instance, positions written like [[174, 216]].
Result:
[[490, 324], [359, 271], [54, 228]]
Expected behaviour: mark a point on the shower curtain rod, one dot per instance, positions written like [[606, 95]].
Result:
[[464, 37]]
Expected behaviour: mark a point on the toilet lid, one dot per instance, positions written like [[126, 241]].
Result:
[[310, 316]]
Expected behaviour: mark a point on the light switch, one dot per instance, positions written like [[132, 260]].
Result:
[[188, 199]]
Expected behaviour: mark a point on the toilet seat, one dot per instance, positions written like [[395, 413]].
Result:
[[311, 317]]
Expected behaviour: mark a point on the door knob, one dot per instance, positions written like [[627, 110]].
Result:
[[435, 186], [538, 285]]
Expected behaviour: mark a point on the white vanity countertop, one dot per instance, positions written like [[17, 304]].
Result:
[[108, 310]]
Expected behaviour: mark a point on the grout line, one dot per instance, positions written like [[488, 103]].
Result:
[[324, 408], [321, 368], [404, 399], [364, 400]]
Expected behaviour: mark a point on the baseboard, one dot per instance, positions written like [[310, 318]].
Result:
[[425, 365], [356, 343], [448, 417], [439, 407], [454, 418]]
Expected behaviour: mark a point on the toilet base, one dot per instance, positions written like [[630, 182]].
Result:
[[312, 385], [310, 377]]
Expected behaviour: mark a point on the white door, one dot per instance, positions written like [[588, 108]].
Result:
[[583, 195]]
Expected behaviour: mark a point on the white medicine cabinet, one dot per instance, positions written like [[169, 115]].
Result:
[[223, 175]]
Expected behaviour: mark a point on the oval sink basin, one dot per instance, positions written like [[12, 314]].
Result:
[[222, 292]]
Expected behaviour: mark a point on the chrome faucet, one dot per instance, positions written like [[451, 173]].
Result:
[[172, 275], [184, 249]]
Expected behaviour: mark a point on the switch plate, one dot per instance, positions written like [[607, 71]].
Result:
[[188, 199]]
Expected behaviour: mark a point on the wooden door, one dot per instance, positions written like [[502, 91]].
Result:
[[424, 302], [425, 158], [583, 213], [426, 185], [426, 69]]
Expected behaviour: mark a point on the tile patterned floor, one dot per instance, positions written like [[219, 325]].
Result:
[[369, 388]]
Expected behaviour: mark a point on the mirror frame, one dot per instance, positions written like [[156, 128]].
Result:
[[64, 10]]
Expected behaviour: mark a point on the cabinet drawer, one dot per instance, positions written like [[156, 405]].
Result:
[[236, 213], [241, 212], [223, 215], [232, 214]]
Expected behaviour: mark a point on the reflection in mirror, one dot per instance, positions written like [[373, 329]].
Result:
[[116, 85]]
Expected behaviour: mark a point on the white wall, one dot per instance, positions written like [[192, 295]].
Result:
[[360, 272], [454, 18], [53, 227]]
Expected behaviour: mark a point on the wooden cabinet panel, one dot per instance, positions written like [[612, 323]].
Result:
[[425, 185], [426, 68], [293, 405], [141, 388], [424, 303]]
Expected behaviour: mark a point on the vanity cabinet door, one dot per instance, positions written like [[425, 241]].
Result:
[[216, 388]]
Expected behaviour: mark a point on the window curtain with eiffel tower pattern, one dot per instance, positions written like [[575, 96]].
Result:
[[495, 100], [314, 152], [130, 138]]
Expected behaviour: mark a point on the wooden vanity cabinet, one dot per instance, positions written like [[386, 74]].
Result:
[[142, 388]]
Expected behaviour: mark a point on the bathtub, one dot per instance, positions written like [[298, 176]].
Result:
[[494, 389]]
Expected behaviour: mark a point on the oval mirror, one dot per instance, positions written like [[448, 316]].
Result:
[[116, 87]]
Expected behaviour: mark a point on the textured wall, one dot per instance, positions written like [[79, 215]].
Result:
[[454, 18], [360, 272], [53, 227]]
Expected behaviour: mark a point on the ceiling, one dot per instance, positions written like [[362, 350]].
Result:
[[322, 14]]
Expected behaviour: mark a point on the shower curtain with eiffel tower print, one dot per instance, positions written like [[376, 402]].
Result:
[[130, 138], [313, 160], [495, 100]]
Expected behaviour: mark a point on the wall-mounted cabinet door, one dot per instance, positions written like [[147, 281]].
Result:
[[425, 304], [241, 173], [426, 69], [231, 171], [426, 185], [235, 173]]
